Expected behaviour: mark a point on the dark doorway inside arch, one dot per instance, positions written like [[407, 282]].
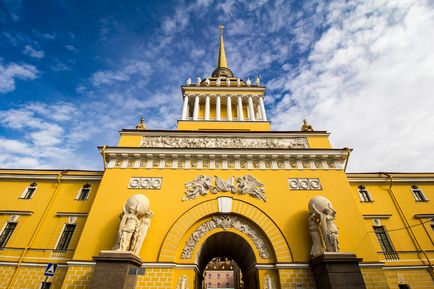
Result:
[[232, 247]]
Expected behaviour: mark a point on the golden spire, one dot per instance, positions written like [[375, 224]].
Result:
[[222, 69], [222, 55]]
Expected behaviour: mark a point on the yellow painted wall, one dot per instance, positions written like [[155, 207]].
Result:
[[400, 235], [287, 208]]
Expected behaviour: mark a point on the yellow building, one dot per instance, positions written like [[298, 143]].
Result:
[[222, 185]]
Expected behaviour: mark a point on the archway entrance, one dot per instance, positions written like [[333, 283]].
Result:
[[232, 247]]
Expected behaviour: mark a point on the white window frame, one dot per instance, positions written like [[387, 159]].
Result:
[[23, 195], [77, 197], [414, 189], [368, 194], [60, 236]]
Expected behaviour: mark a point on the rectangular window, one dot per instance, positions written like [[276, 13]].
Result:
[[385, 243], [364, 194], [29, 191], [83, 194], [66, 237], [403, 286], [6, 234], [418, 194]]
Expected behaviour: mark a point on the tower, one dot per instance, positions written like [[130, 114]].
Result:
[[223, 101]]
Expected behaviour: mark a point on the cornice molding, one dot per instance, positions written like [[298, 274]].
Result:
[[377, 216], [261, 89], [424, 216], [12, 212], [215, 133], [71, 214], [237, 159], [387, 180], [50, 177]]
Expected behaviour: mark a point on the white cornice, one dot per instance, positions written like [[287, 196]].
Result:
[[211, 133], [132, 152], [49, 177], [387, 180], [239, 159], [224, 88]]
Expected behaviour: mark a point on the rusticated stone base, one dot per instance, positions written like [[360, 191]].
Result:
[[115, 269], [337, 271]]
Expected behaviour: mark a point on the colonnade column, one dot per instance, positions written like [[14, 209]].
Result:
[[261, 103], [185, 108], [217, 107], [240, 108], [207, 107], [196, 108], [251, 109], [229, 107], [258, 112]]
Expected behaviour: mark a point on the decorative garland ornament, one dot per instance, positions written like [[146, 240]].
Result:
[[244, 185]]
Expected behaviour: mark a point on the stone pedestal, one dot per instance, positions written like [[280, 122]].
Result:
[[337, 271], [115, 269]]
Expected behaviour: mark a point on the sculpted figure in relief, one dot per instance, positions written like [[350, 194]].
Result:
[[322, 226], [134, 225], [203, 185], [249, 185], [198, 186]]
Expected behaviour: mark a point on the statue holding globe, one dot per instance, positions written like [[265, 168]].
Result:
[[322, 226], [134, 225]]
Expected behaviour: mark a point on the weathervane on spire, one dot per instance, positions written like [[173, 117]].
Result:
[[221, 28]]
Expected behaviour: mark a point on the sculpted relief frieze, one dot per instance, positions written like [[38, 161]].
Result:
[[226, 222], [244, 185], [224, 142]]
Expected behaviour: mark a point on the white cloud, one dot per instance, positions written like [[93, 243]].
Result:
[[139, 68], [9, 73], [30, 51], [368, 80], [71, 48]]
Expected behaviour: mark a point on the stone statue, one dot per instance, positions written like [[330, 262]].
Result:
[[134, 225], [188, 81], [322, 226], [198, 80], [228, 82], [141, 125], [248, 82], [258, 80], [238, 82], [306, 126], [207, 82], [218, 82]]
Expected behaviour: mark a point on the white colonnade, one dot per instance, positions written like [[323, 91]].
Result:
[[255, 107]]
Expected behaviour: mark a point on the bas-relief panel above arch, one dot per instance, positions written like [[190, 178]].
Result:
[[227, 222], [175, 240]]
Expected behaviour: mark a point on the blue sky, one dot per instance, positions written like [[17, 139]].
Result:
[[73, 73]]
